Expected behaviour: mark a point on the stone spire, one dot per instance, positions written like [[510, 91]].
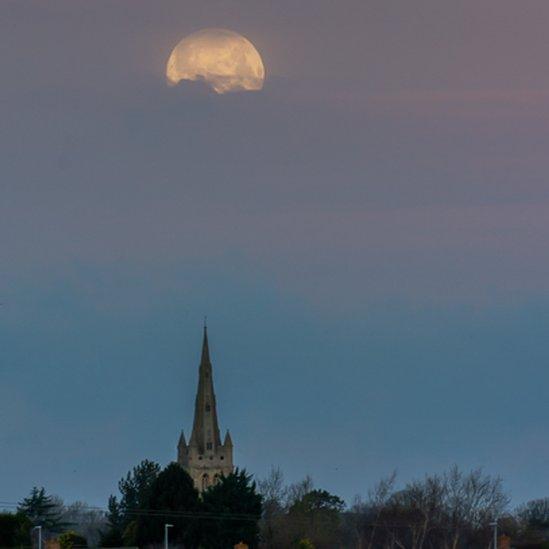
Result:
[[205, 458], [205, 435]]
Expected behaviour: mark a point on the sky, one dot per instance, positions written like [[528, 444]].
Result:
[[367, 236]]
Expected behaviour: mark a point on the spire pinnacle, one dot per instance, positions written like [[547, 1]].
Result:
[[205, 347]]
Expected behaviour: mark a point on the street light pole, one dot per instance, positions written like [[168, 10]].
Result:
[[495, 525], [166, 526], [39, 528]]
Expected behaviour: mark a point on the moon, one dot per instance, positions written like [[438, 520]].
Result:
[[224, 59]]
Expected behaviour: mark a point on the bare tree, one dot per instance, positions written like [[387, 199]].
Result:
[[86, 521], [297, 490], [472, 501], [273, 490], [274, 493], [447, 511]]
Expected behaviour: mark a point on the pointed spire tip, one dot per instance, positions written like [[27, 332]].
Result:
[[205, 359]]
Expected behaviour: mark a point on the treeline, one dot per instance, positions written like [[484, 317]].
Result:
[[453, 510]]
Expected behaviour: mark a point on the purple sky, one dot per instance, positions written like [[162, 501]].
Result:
[[367, 235]]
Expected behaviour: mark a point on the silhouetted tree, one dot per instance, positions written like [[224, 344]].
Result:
[[535, 513], [135, 487], [122, 515], [172, 498], [233, 509], [447, 511], [43, 510], [274, 494], [533, 520], [316, 516], [112, 535]]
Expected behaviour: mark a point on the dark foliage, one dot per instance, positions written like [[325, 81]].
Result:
[[135, 488], [233, 508], [122, 515], [112, 537], [71, 539], [172, 499], [14, 530], [316, 517]]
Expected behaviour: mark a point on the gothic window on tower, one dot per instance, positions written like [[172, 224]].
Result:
[[208, 446], [208, 407], [205, 481]]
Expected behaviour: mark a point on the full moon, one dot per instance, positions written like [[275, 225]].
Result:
[[224, 59]]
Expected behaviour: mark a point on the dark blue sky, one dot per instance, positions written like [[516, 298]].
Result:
[[367, 236]]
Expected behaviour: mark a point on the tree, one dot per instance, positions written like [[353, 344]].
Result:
[[447, 511], [472, 501], [14, 530], [297, 490], [274, 494], [278, 528], [134, 490], [273, 491], [135, 487], [112, 535], [535, 514], [317, 516], [85, 521], [43, 510], [232, 509], [362, 521], [71, 539], [533, 520], [172, 498]]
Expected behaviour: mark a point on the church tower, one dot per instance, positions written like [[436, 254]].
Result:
[[205, 458]]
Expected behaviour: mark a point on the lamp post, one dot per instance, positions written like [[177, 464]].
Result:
[[495, 525], [39, 528], [166, 526]]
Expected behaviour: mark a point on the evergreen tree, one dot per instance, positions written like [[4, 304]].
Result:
[[136, 486], [232, 510], [42, 510], [122, 516], [113, 536], [173, 499]]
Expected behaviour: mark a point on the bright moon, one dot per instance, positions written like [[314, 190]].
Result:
[[224, 59]]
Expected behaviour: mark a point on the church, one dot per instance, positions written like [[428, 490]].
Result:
[[205, 458]]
